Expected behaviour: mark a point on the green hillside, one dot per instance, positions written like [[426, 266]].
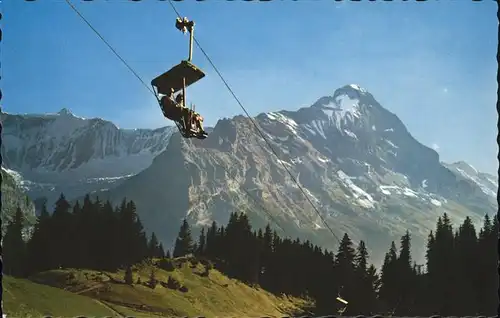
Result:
[[24, 298], [103, 293]]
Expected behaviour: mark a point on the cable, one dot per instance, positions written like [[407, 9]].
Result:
[[145, 85], [110, 47], [257, 127], [229, 88]]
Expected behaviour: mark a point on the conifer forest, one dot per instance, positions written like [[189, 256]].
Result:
[[457, 279]]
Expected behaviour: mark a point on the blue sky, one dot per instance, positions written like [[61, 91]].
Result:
[[433, 63]]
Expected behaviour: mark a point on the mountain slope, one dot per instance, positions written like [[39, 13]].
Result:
[[13, 196], [104, 294], [62, 152], [485, 181], [24, 298], [355, 160]]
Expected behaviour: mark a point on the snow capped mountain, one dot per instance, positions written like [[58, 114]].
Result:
[[354, 160], [56, 152]]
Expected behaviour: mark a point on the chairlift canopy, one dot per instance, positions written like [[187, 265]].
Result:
[[173, 78]]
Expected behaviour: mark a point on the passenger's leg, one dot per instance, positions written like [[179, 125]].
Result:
[[186, 118], [179, 117], [200, 123], [195, 118], [201, 132]]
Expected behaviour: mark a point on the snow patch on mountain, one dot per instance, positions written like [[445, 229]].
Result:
[[342, 111], [14, 174], [484, 181], [436, 202], [424, 184], [323, 160], [363, 199], [403, 191], [289, 123], [318, 127], [351, 134], [391, 144], [483, 187], [358, 88]]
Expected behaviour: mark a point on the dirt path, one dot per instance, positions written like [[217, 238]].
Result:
[[117, 313], [89, 289]]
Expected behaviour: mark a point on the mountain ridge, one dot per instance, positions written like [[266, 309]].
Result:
[[82, 155], [346, 169], [356, 161]]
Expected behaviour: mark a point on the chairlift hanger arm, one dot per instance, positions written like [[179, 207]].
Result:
[[184, 25]]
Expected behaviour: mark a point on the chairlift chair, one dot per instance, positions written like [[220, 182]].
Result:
[[344, 302], [180, 77]]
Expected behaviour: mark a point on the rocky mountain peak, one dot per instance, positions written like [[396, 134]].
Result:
[[65, 112]]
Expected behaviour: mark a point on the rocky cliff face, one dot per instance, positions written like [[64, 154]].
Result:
[[355, 160]]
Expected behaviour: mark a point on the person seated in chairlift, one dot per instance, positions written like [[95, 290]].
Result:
[[169, 107], [174, 109], [195, 117]]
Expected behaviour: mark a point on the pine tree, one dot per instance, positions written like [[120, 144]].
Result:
[[153, 246], [106, 231], [374, 283], [201, 243], [344, 268], [142, 241], [134, 242], [230, 252], [211, 241], [430, 299], [445, 270], [361, 259], [152, 279], [344, 260], [38, 247], [487, 267], [86, 240], [374, 279], [13, 247], [77, 210], [466, 269], [184, 242], [221, 243], [62, 234], [388, 294], [407, 281], [161, 251], [361, 303], [128, 277], [404, 260], [266, 257]]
